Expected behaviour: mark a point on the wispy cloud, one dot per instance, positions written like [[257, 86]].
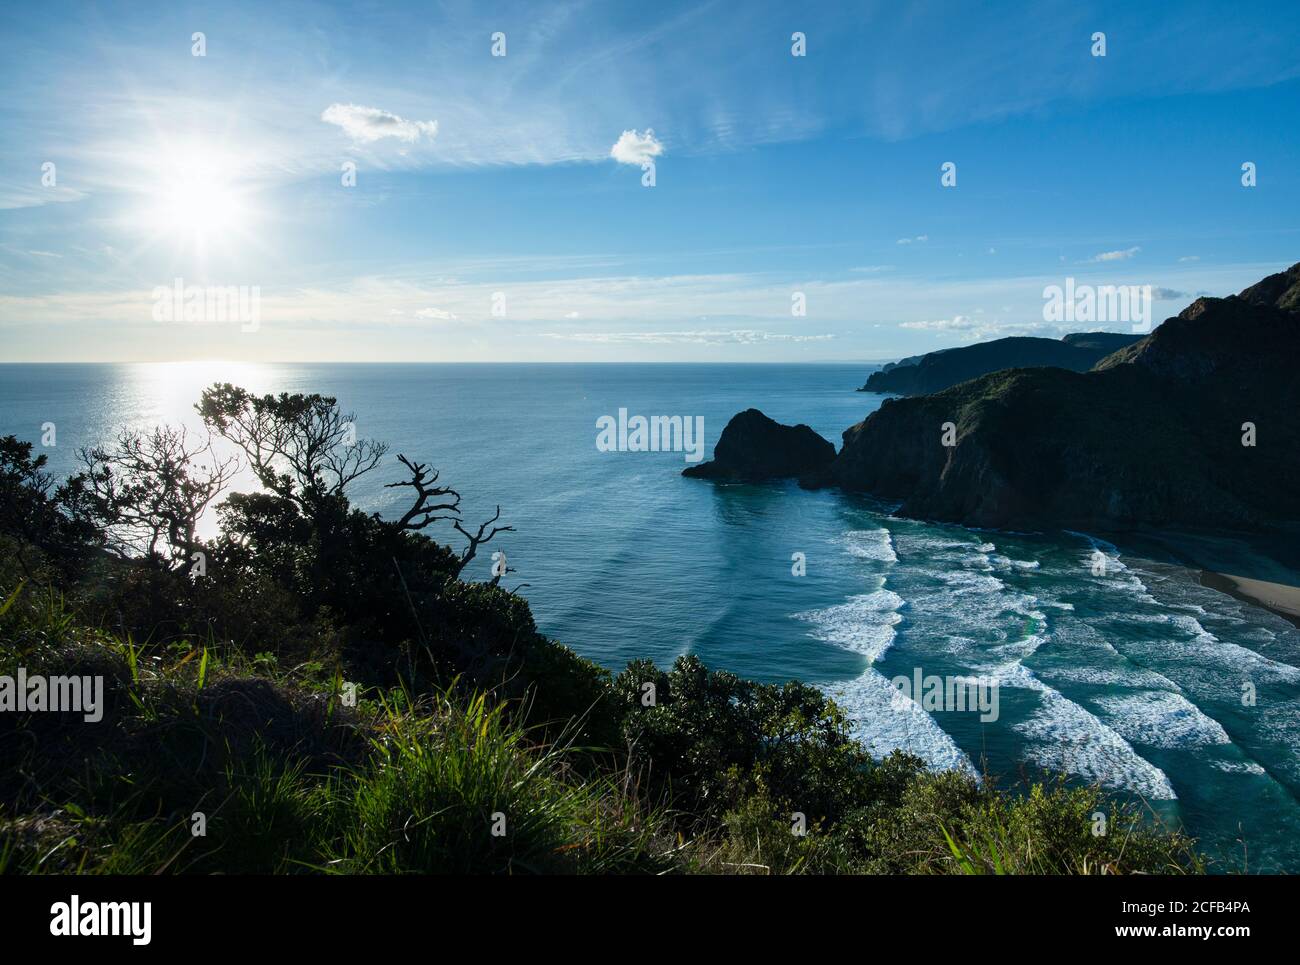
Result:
[[978, 329], [23, 196], [1122, 255], [367, 124], [738, 316], [699, 337], [958, 323]]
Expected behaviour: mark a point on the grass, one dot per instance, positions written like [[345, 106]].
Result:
[[207, 761], [280, 778]]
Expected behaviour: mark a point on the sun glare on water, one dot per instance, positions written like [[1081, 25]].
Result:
[[165, 393]]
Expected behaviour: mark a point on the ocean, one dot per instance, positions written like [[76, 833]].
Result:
[[1131, 674]]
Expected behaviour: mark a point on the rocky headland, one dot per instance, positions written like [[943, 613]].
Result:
[[1193, 425], [936, 371]]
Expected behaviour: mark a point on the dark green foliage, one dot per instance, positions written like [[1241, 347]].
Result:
[[288, 779], [564, 692], [936, 371], [223, 695], [712, 738], [45, 523]]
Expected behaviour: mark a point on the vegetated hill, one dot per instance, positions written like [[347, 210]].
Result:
[[939, 370], [279, 703], [1152, 436], [1281, 290]]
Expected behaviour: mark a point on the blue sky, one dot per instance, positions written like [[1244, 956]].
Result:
[[774, 174]]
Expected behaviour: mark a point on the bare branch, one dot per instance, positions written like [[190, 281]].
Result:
[[302, 447], [430, 502], [479, 539], [151, 490]]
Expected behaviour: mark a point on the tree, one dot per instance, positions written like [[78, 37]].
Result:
[[432, 502], [36, 513], [302, 447], [150, 490]]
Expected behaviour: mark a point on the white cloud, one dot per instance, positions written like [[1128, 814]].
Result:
[[1190, 258], [1123, 255], [982, 329], [17, 196], [703, 337], [919, 239], [436, 313], [634, 148], [733, 315], [366, 124], [958, 323]]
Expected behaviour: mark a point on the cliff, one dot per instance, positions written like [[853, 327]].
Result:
[[1152, 436], [939, 370]]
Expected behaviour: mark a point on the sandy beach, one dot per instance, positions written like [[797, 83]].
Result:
[[1279, 598]]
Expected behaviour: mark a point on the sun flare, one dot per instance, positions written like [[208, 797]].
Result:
[[195, 198]]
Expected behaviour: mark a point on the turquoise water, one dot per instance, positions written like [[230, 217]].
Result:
[[1133, 678]]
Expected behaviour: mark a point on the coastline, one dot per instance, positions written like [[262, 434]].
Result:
[[1277, 598], [1257, 568]]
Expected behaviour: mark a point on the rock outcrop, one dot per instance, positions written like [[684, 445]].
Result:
[[753, 447], [937, 371], [1195, 424]]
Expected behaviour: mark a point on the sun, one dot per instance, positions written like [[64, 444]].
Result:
[[194, 198], [197, 202]]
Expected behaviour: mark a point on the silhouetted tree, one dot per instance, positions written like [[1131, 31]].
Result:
[[35, 512], [150, 490], [302, 447], [432, 502]]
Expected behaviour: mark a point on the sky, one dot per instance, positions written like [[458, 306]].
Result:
[[468, 181]]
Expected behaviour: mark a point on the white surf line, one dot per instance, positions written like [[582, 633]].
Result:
[[1228, 656], [877, 545], [1153, 707], [1067, 737], [1064, 735], [862, 624], [881, 719], [1162, 718]]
